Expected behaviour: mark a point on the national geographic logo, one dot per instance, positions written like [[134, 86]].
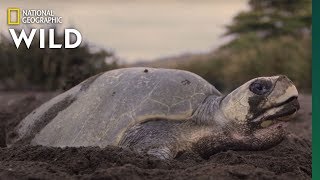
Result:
[[13, 15], [16, 16], [32, 16]]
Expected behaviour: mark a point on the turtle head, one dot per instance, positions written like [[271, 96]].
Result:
[[261, 103]]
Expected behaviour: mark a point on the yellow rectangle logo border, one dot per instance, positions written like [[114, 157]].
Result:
[[9, 16]]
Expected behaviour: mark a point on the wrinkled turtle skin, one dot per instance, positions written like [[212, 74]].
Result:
[[162, 112]]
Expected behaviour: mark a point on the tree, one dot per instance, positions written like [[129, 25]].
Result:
[[273, 37], [274, 18]]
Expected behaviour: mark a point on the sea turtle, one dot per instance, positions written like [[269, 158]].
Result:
[[162, 112]]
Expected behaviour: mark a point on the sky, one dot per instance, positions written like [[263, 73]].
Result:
[[141, 30]]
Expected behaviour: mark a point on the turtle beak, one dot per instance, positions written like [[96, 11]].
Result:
[[282, 112], [284, 90]]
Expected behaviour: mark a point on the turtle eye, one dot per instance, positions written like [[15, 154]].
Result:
[[260, 87]]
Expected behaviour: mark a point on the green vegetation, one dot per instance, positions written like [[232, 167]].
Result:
[[48, 69], [274, 37]]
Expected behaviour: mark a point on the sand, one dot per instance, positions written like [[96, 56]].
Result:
[[291, 159]]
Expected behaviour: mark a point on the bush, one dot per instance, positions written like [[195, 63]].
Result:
[[48, 69], [241, 61]]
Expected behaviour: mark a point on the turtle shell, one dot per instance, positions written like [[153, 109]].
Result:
[[99, 110]]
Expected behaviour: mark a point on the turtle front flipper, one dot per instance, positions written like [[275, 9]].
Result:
[[260, 140]]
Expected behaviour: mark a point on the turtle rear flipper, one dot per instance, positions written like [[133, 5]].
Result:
[[157, 137], [161, 153]]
